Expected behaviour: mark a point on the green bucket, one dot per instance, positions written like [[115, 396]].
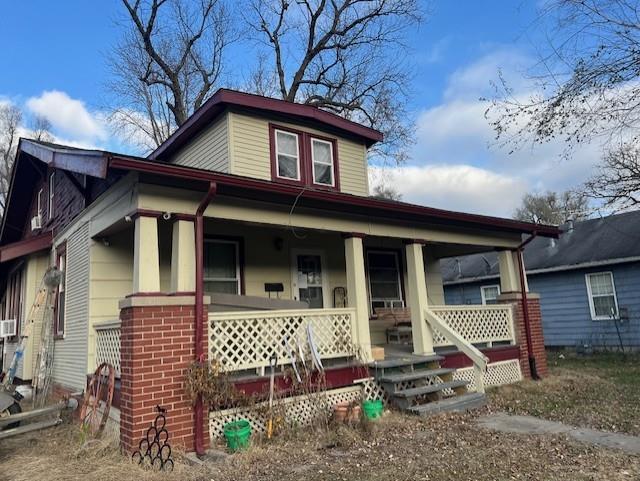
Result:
[[372, 409], [237, 434]]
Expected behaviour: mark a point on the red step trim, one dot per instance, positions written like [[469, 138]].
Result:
[[458, 360]]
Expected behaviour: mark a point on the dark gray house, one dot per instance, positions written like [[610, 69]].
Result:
[[588, 281]]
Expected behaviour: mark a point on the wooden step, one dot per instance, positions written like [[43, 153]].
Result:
[[405, 361], [464, 402], [398, 377], [431, 388]]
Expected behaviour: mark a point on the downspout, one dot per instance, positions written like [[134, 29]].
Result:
[[199, 309], [525, 307]]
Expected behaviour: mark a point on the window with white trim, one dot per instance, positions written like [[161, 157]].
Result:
[[385, 285], [222, 266], [490, 294], [287, 155], [39, 213], [51, 194], [61, 295], [322, 160], [603, 302]]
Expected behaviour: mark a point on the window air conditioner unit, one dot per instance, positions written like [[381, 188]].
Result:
[[8, 328], [36, 222]]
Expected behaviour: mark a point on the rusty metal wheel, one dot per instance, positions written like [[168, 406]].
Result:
[[98, 398]]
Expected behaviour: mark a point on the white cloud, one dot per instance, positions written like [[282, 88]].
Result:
[[68, 116], [456, 163], [455, 187]]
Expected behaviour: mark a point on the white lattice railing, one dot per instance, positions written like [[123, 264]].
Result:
[[476, 324], [247, 340], [108, 344]]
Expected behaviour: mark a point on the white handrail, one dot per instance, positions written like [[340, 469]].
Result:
[[480, 361]]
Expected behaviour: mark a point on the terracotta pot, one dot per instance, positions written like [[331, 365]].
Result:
[[346, 412]]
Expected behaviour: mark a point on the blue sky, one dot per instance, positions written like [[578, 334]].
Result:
[[53, 57]]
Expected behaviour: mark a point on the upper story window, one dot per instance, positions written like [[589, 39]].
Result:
[[287, 155], [52, 186], [303, 158], [603, 301]]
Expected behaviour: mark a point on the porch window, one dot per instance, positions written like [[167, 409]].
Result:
[[287, 155], [322, 159], [61, 263], [222, 266], [602, 295], [385, 285], [490, 294]]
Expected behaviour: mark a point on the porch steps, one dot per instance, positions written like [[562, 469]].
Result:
[[419, 385], [465, 402]]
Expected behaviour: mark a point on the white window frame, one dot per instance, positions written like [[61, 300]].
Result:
[[331, 162], [484, 296], [51, 193], [39, 203], [238, 268], [277, 155], [388, 302], [61, 263], [592, 308]]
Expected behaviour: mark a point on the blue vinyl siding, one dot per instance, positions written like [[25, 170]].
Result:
[[566, 318]]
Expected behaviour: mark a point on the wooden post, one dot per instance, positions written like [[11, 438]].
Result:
[[183, 257], [146, 257], [357, 291], [417, 294]]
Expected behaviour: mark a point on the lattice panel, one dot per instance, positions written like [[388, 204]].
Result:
[[247, 340], [476, 324], [372, 390], [108, 345], [498, 374], [299, 410]]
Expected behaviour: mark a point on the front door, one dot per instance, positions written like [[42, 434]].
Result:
[[308, 278]]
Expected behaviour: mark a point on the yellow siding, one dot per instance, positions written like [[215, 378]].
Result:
[[111, 280], [209, 150], [249, 137]]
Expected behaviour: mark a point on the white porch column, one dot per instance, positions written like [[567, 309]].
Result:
[[146, 258], [357, 291], [510, 272], [183, 257], [417, 293]]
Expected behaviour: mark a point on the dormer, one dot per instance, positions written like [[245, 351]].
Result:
[[268, 139]]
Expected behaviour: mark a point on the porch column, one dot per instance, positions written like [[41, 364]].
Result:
[[510, 272], [183, 257], [357, 291], [146, 258], [417, 294]]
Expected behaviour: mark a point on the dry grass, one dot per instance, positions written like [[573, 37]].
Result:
[[443, 448], [600, 391]]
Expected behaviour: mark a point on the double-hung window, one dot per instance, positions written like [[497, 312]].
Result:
[[602, 295], [222, 271], [61, 295], [287, 155], [322, 159], [385, 286], [51, 194], [14, 301], [490, 294], [303, 158]]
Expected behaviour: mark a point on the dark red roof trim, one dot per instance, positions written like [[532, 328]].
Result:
[[459, 360], [347, 202], [26, 247], [223, 97]]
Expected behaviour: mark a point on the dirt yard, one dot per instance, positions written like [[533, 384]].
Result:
[[396, 448]]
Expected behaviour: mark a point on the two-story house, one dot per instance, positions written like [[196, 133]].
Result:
[[250, 223]]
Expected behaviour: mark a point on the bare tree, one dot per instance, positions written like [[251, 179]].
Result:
[[167, 64], [617, 182], [552, 208], [41, 129], [345, 56], [386, 191], [586, 82], [10, 122]]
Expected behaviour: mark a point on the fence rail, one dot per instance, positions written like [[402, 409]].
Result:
[[108, 344], [247, 340]]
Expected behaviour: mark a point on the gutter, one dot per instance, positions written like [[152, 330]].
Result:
[[525, 307], [199, 310]]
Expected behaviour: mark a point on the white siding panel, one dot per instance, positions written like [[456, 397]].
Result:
[[208, 150], [69, 366]]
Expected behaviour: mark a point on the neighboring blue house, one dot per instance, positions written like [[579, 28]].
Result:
[[588, 281]]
